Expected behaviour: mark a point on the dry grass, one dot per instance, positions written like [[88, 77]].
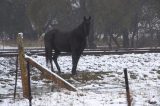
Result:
[[27, 43]]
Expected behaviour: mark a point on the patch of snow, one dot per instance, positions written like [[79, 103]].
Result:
[[143, 73]]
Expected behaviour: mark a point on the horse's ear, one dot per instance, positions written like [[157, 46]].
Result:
[[89, 18], [84, 18]]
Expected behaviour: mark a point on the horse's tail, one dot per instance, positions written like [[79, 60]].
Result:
[[47, 54], [48, 42]]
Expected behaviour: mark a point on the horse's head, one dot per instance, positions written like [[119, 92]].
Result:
[[86, 25]]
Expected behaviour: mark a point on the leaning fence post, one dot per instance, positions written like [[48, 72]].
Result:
[[23, 68], [127, 87]]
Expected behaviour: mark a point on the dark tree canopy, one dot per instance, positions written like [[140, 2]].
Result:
[[116, 23]]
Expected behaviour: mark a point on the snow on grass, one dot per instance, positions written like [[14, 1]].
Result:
[[143, 72]]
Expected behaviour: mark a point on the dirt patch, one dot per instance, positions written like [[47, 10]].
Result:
[[85, 76]]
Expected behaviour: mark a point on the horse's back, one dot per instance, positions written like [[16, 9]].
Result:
[[65, 41], [59, 40]]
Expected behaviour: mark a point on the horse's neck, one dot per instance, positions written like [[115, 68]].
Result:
[[80, 31]]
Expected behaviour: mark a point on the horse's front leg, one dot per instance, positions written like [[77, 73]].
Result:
[[75, 59]]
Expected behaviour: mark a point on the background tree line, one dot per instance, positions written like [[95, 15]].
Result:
[[116, 23]]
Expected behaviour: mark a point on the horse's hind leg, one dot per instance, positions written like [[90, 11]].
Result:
[[49, 56], [55, 56], [51, 66]]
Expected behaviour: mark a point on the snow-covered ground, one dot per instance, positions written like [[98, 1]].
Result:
[[143, 72]]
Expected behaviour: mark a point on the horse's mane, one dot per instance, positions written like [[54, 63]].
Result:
[[79, 30]]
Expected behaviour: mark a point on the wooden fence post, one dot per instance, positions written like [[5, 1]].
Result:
[[23, 68], [15, 88], [29, 84], [127, 87]]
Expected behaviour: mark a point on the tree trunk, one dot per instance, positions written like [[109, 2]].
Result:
[[135, 32], [91, 35], [158, 37], [125, 39], [110, 41], [115, 41]]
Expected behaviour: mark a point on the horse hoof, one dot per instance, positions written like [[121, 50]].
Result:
[[74, 73], [59, 73]]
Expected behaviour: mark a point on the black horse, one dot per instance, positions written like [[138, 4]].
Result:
[[73, 41]]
